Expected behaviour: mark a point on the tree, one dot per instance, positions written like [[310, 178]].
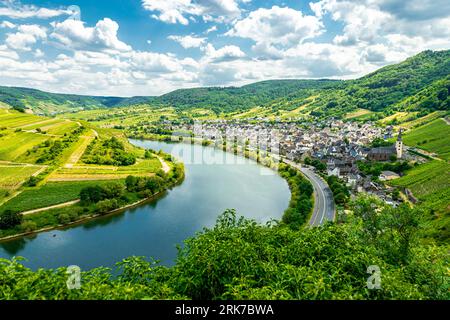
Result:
[[92, 194], [10, 219]]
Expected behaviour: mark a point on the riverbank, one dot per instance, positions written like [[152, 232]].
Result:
[[303, 203], [83, 218]]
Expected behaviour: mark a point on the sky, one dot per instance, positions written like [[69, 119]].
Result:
[[151, 47]]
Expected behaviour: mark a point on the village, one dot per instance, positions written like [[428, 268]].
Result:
[[337, 144]]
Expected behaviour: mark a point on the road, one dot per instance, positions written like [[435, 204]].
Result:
[[324, 207]]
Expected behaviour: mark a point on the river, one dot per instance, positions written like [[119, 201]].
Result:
[[214, 182]]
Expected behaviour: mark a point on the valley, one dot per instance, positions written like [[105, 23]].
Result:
[[280, 189]]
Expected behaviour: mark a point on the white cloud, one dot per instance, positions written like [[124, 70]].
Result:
[[212, 29], [369, 21], [39, 53], [7, 25], [226, 53], [188, 41], [181, 11], [73, 34], [283, 26], [25, 37], [6, 52], [15, 10]]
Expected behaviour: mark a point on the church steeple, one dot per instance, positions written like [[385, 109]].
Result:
[[399, 145], [400, 135]]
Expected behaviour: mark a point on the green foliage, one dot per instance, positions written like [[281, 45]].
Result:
[[301, 203], [50, 194], [153, 185], [97, 193], [374, 169], [239, 259], [107, 205], [341, 193], [433, 137], [380, 142], [320, 166], [108, 152], [50, 150], [9, 219]]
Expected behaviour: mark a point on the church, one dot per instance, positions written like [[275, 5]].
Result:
[[386, 153]]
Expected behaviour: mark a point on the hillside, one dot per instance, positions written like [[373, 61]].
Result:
[[432, 137], [47, 162], [417, 84], [382, 92], [244, 98]]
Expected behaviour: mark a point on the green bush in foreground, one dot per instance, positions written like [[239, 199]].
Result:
[[240, 259]]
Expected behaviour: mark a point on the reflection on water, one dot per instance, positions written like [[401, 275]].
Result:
[[155, 228]]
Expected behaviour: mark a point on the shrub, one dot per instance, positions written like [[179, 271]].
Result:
[[28, 226], [107, 205], [63, 218]]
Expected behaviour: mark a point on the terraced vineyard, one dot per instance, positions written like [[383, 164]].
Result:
[[50, 194], [432, 137], [430, 183], [26, 141]]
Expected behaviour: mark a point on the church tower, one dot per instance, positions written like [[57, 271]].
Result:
[[399, 145]]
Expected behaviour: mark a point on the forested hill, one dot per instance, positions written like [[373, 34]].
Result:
[[385, 90], [391, 84], [231, 99]]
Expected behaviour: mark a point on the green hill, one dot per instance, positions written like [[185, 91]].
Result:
[[420, 83], [432, 137]]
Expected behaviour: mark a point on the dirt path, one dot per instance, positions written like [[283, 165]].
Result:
[[78, 153], [62, 205], [164, 164]]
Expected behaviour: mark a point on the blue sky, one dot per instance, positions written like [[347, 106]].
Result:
[[150, 47]]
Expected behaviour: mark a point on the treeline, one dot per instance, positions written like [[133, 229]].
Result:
[[319, 165], [301, 203], [108, 152], [341, 194], [104, 198], [239, 259], [49, 150], [374, 169]]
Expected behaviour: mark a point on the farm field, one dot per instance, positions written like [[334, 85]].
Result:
[[109, 118], [433, 137], [97, 172], [21, 146], [11, 176], [60, 128], [358, 114], [50, 194], [14, 144], [423, 120], [430, 183]]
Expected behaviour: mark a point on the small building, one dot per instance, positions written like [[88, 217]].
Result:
[[388, 175]]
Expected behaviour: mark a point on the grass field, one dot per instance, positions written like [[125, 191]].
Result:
[[50, 194], [430, 183], [433, 137], [14, 144]]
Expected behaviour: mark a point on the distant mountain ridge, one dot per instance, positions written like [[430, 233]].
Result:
[[382, 90]]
